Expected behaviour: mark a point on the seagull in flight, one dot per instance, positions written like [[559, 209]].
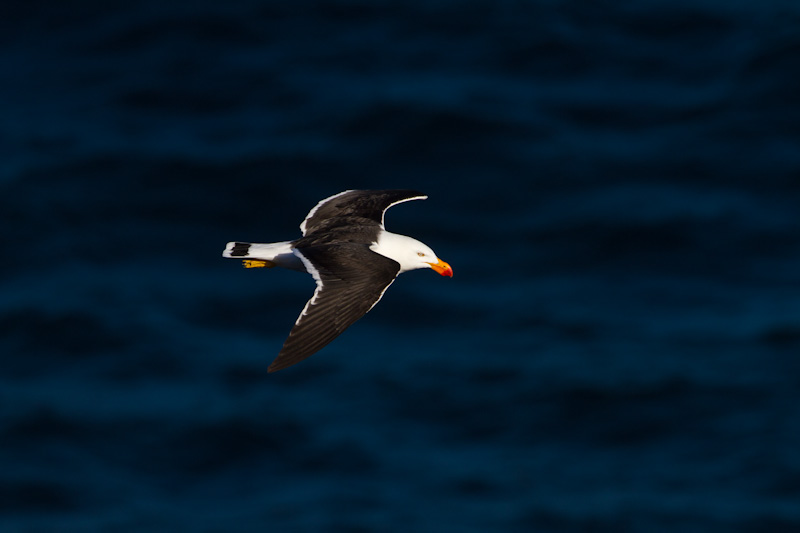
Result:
[[353, 259]]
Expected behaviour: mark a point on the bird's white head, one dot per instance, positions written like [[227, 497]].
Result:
[[410, 253]]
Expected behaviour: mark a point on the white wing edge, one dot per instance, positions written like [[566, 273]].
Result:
[[381, 296], [315, 274], [383, 215], [316, 207]]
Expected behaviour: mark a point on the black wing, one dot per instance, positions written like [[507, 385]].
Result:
[[351, 279], [355, 208]]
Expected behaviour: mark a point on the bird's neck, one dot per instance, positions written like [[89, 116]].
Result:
[[397, 247]]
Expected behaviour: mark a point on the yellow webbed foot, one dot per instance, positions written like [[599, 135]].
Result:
[[257, 263]]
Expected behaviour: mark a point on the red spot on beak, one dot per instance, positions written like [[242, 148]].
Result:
[[442, 268]]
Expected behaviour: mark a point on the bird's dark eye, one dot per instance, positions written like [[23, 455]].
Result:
[[421, 254]]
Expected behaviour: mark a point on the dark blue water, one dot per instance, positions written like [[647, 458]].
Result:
[[616, 185]]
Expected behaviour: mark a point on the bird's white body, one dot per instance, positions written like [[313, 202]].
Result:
[[410, 253]]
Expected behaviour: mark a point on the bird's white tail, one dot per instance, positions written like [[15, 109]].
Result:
[[264, 254]]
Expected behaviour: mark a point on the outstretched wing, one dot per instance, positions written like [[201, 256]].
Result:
[[355, 208], [351, 279]]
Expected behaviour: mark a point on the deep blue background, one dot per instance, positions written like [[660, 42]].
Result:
[[616, 185]]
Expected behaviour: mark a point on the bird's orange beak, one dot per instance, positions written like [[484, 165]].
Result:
[[442, 268]]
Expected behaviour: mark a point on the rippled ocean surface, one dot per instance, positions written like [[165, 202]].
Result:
[[616, 185]]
